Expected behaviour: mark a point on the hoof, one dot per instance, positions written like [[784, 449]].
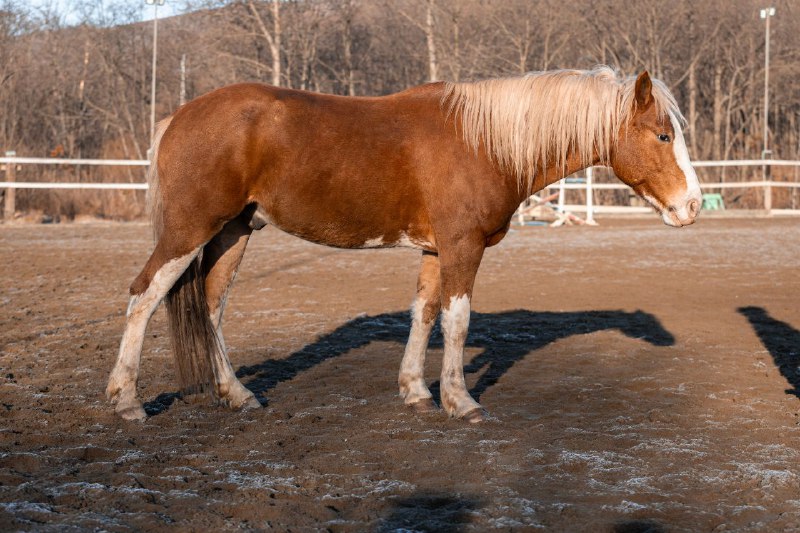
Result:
[[475, 416], [132, 413], [241, 404], [250, 403], [425, 405]]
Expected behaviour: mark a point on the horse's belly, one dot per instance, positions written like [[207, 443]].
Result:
[[353, 232]]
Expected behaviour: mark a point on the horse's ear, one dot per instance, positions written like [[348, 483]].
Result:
[[644, 91]]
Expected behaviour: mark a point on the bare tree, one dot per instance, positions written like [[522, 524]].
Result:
[[273, 36], [83, 89]]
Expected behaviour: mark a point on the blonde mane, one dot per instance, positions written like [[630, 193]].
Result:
[[527, 123]]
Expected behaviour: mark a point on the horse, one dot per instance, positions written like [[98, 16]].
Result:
[[441, 168]]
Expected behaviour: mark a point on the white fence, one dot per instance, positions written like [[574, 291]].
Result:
[[12, 164], [587, 184]]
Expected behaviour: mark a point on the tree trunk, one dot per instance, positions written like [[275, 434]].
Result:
[[433, 65], [347, 41], [456, 49], [693, 108], [273, 38], [719, 100], [275, 46]]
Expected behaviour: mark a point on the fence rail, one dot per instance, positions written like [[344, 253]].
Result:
[[589, 186], [11, 163], [75, 162]]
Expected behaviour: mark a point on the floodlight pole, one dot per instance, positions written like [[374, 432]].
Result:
[[766, 14], [155, 4]]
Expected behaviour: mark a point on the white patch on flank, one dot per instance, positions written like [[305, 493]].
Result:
[[682, 158], [373, 243], [405, 241], [410, 242]]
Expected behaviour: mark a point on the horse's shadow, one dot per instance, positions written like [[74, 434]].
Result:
[[781, 340], [505, 337], [430, 511]]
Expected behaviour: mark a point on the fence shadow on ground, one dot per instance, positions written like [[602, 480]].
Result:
[[781, 340], [506, 337]]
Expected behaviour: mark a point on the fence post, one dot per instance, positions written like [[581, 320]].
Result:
[[768, 197], [11, 175], [589, 198]]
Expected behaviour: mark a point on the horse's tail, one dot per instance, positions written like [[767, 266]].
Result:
[[154, 202], [194, 337]]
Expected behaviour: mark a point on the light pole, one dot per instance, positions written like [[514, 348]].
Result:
[[766, 14], [155, 4]]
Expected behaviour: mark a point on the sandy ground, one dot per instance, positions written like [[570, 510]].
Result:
[[640, 378]]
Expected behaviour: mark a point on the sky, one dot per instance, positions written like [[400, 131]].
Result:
[[170, 7]]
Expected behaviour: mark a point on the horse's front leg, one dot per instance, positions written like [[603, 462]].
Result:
[[423, 315], [459, 265]]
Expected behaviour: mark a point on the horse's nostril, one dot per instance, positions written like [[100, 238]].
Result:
[[694, 208]]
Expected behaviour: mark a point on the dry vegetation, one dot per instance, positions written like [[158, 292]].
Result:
[[83, 90]]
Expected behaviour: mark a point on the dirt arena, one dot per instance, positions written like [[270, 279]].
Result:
[[640, 378]]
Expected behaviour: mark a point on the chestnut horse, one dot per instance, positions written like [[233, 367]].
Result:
[[440, 168]]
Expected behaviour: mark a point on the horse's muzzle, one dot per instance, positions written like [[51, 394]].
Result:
[[684, 215]]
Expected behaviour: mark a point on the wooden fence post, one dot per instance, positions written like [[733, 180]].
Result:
[[589, 197], [768, 198], [10, 202]]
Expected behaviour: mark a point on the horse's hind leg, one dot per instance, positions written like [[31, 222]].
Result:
[[423, 315], [162, 270], [221, 258]]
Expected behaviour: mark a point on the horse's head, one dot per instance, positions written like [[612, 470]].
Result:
[[651, 158]]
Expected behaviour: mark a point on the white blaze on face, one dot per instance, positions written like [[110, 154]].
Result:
[[692, 184]]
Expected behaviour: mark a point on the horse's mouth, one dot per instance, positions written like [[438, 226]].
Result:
[[678, 217], [671, 215], [671, 218]]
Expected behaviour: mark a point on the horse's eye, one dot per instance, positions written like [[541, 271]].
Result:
[[664, 138]]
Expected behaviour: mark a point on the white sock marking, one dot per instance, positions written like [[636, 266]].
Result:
[[140, 308], [413, 364], [455, 323]]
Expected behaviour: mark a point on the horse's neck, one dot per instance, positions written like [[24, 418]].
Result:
[[554, 173]]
